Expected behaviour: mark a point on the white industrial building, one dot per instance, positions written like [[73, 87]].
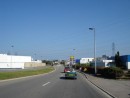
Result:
[[12, 61], [103, 63], [86, 60], [99, 63]]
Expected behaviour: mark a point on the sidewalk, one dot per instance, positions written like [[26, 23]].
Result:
[[117, 88]]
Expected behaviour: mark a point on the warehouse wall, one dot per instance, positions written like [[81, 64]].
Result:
[[11, 65], [126, 61], [33, 64], [12, 61]]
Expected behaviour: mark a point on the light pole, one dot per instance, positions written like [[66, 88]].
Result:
[[74, 60], [11, 54], [94, 48], [35, 57], [12, 49], [41, 57]]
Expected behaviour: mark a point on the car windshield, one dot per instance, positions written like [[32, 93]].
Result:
[[71, 69]]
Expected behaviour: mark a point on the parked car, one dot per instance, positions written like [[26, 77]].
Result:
[[71, 74]]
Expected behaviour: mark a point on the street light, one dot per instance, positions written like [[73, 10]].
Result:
[[12, 49], [35, 57], [94, 49], [41, 57], [74, 60], [11, 54]]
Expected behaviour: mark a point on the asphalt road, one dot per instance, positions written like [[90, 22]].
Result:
[[52, 85]]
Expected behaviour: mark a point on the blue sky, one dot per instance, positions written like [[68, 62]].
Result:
[[51, 29]]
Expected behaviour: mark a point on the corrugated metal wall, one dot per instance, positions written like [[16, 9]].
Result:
[[128, 58]]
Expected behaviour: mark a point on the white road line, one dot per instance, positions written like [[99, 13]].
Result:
[[46, 83]]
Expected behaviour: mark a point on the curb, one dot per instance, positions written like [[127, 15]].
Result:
[[27, 76], [98, 86]]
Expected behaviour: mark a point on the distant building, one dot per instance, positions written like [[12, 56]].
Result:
[[126, 61], [12, 61], [86, 60], [103, 63], [104, 57], [77, 61]]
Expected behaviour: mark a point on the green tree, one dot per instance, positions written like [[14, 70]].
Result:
[[62, 62], [118, 61]]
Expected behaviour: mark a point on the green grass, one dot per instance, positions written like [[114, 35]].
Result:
[[17, 74]]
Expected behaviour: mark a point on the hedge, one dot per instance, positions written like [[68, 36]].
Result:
[[111, 72]]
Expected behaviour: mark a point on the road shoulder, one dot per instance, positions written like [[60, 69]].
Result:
[[114, 88]]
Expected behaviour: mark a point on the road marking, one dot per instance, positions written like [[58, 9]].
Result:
[[46, 83]]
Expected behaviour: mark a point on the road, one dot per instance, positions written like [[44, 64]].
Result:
[[52, 85]]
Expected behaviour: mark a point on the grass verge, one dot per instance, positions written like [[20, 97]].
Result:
[[24, 73]]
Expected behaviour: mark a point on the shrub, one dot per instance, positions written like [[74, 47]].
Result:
[[84, 65], [111, 72], [90, 70], [100, 70], [77, 66]]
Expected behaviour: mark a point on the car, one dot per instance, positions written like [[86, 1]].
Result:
[[71, 74], [67, 68]]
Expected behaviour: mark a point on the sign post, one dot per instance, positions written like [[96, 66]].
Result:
[[71, 60]]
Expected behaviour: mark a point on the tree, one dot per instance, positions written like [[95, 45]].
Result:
[[118, 61], [62, 62]]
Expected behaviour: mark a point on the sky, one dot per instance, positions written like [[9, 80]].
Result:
[[57, 29]]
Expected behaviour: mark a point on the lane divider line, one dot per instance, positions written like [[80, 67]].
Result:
[[46, 84]]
